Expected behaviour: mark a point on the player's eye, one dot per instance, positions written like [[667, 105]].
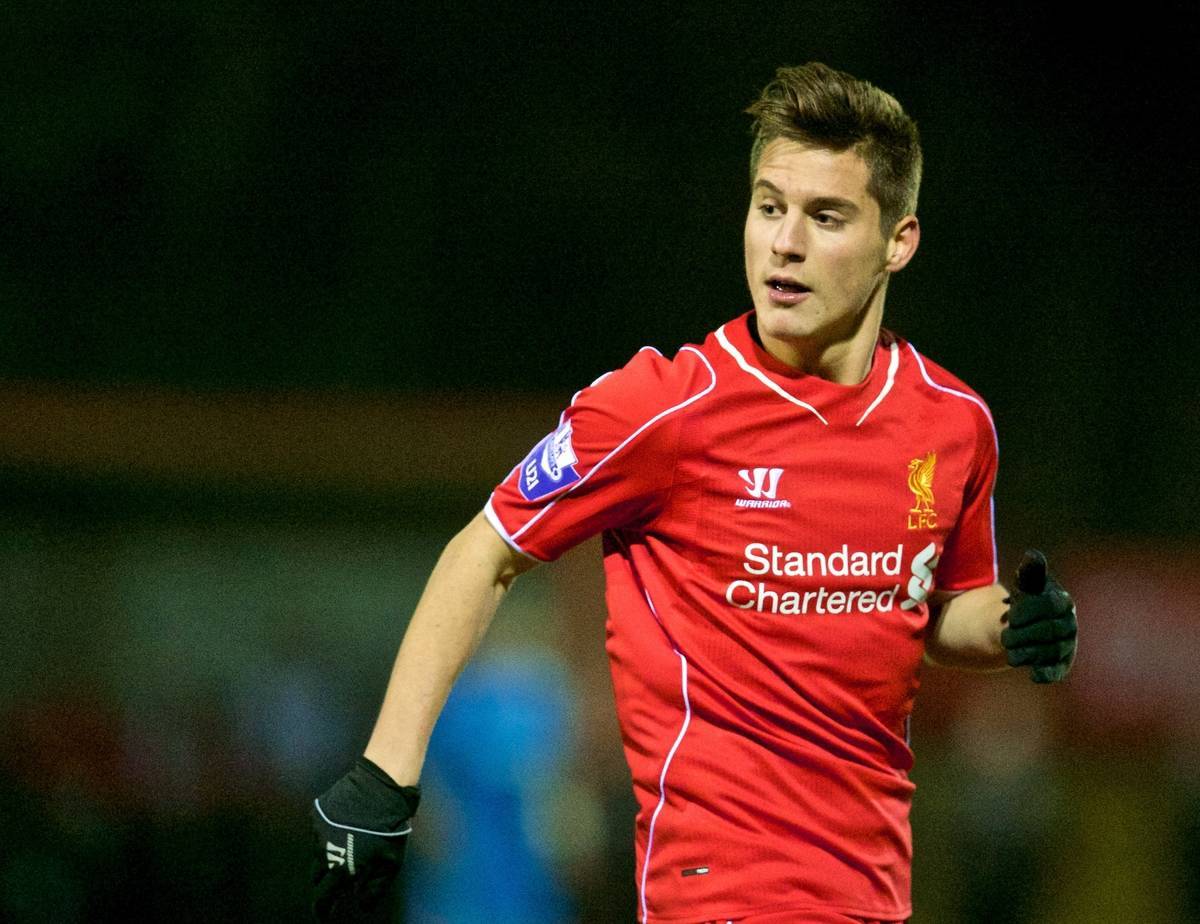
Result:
[[829, 220], [769, 209]]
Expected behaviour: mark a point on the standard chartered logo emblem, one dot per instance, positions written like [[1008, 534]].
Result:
[[770, 561], [921, 581]]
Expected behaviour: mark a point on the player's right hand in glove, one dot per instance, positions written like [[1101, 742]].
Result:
[[362, 824], [1041, 623]]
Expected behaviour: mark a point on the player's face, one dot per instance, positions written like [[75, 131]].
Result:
[[816, 258]]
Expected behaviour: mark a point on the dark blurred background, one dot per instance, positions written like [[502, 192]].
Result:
[[285, 291]]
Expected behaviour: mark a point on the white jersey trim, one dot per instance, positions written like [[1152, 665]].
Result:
[[893, 365], [960, 394], [995, 442], [995, 553], [489, 513], [758, 374], [625, 442], [662, 777]]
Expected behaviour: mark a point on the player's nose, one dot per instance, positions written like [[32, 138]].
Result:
[[789, 242]]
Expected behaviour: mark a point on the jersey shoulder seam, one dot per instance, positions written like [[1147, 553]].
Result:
[[647, 425], [964, 391]]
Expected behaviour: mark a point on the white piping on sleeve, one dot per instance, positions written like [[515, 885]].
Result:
[[741, 361], [995, 552], [893, 365], [625, 442], [490, 515]]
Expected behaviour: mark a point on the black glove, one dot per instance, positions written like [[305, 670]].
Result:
[[362, 823], [1041, 622]]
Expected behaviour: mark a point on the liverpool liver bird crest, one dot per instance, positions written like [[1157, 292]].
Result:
[[920, 482]]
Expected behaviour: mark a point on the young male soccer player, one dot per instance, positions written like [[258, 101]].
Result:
[[794, 514]]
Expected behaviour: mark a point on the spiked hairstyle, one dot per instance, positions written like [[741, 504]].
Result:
[[817, 105]]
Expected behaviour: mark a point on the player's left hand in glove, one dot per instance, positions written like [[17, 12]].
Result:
[[362, 823], [1042, 627]]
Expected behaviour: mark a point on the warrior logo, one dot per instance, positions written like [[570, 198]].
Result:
[[764, 482], [920, 482], [761, 485]]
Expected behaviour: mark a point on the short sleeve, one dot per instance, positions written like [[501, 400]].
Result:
[[969, 556], [610, 462]]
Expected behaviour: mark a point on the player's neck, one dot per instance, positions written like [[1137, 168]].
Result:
[[844, 358]]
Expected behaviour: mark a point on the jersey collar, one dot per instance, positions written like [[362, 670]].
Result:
[[828, 401]]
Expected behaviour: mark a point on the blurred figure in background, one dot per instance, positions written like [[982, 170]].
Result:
[[496, 761]]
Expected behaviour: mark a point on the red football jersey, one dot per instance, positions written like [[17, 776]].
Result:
[[770, 539]]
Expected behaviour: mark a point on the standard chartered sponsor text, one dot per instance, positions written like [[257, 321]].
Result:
[[771, 559], [763, 560]]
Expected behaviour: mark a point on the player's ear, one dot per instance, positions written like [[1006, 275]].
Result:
[[902, 243]]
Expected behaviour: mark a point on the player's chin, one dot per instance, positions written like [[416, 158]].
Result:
[[788, 322]]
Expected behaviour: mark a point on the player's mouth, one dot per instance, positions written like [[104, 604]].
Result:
[[783, 290]]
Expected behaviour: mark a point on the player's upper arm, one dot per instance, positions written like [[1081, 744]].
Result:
[[479, 545]]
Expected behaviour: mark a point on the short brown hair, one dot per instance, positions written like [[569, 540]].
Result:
[[815, 104]]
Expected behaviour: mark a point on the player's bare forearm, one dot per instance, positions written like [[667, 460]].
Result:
[[454, 612], [966, 629]]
